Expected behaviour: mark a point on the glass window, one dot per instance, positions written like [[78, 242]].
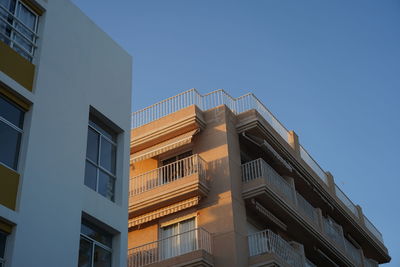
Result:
[[11, 121], [178, 238], [94, 247], [18, 27], [101, 158], [3, 239]]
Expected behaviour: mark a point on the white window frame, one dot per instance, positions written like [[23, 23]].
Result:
[[97, 164], [15, 31], [15, 127]]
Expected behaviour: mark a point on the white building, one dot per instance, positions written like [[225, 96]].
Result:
[[65, 91]]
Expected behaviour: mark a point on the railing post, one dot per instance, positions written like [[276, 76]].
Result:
[[319, 218], [293, 186], [331, 183], [293, 140], [360, 215]]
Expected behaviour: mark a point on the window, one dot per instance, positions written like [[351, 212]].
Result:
[[11, 121], [100, 171], [3, 239], [94, 247], [18, 27], [178, 238]]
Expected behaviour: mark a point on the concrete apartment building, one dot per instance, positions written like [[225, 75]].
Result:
[[65, 100], [219, 181]]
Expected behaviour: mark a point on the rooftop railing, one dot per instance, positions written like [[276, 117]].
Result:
[[268, 242], [167, 174], [237, 106], [173, 246]]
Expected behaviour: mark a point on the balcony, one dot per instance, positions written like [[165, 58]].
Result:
[[250, 102], [193, 247], [268, 247], [180, 180], [262, 181]]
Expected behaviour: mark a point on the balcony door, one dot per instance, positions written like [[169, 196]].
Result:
[[178, 238], [176, 167]]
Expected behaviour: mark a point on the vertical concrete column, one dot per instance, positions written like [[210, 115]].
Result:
[[360, 214], [300, 249], [319, 216], [293, 141], [331, 183], [292, 184]]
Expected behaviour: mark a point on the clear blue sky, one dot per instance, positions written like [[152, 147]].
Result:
[[330, 70]]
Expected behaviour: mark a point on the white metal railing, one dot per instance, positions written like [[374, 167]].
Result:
[[373, 229], [313, 164], [167, 174], [370, 263], [260, 169], [268, 242], [334, 232], [206, 102], [173, 246], [307, 209], [353, 253], [20, 34], [346, 201]]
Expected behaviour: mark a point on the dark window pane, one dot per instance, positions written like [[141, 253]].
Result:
[[85, 253], [96, 233], [102, 257], [108, 155], [3, 239], [10, 140], [92, 149], [106, 185], [90, 175], [11, 112]]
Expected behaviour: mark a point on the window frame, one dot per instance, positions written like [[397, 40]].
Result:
[[15, 127], [2, 259], [94, 243], [14, 31], [97, 164]]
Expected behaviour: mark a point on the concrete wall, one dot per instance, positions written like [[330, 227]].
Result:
[[77, 66]]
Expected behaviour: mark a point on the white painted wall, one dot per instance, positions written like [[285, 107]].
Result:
[[78, 66]]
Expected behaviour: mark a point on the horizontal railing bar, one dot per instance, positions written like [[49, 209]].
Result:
[[169, 237], [18, 20]]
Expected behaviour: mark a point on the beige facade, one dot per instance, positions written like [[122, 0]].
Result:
[[218, 181]]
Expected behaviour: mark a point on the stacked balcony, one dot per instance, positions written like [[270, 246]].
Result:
[[259, 177], [168, 184], [191, 247]]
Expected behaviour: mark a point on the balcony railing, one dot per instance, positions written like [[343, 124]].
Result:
[[260, 169], [308, 263], [353, 253], [334, 232], [268, 242], [373, 229], [307, 209], [17, 34], [173, 246], [167, 174], [370, 263]]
